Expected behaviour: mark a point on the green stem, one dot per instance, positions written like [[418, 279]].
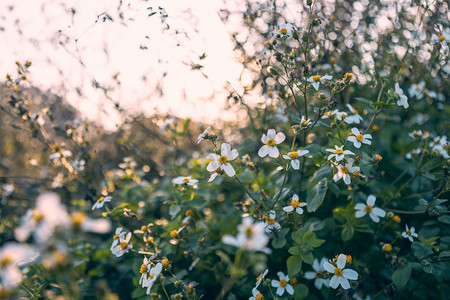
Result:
[[244, 188]]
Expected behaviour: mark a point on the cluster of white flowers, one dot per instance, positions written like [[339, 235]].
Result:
[[251, 236], [150, 273]]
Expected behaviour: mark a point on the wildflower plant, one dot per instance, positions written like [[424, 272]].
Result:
[[341, 116]]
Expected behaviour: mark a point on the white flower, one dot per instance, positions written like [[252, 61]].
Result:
[[295, 204], [355, 118], [374, 212], [442, 39], [151, 277], [409, 233], [339, 153], [293, 157], [260, 278], [319, 269], [78, 164], [41, 221], [419, 134], [440, 144], [123, 245], [285, 30], [202, 136], [222, 161], [304, 122], [317, 79], [184, 180], [329, 113], [356, 137], [271, 140], [345, 171], [81, 221], [341, 275], [413, 152], [101, 201], [128, 163], [144, 270], [117, 234], [256, 295], [416, 90], [12, 255], [403, 100], [250, 236], [282, 284], [270, 222]]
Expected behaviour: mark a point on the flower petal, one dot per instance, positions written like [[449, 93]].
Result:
[[350, 274], [263, 151], [280, 137], [229, 169], [233, 154], [271, 133], [295, 164], [371, 200], [225, 149], [378, 212], [342, 259], [212, 166], [329, 267], [334, 282], [344, 283], [273, 152]]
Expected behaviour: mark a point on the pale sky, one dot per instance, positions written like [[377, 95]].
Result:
[[44, 23]]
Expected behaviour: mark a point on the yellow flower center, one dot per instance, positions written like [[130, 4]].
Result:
[[249, 232], [387, 247], [186, 180], [293, 281], [100, 199], [6, 260], [174, 234], [144, 228], [338, 151], [360, 137], [283, 30], [269, 93], [151, 276], [295, 203], [441, 38], [165, 262], [344, 116], [368, 208], [293, 155], [270, 221], [316, 78], [116, 236], [77, 218], [408, 232], [348, 76], [223, 159], [344, 170], [338, 272], [283, 283], [375, 127], [259, 297], [37, 216], [270, 143], [356, 174], [123, 245], [349, 259], [143, 269]]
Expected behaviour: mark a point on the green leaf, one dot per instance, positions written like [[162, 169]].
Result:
[[316, 243], [444, 254], [334, 188], [279, 242], [317, 195], [294, 265], [297, 237], [347, 233], [401, 276], [313, 149], [361, 99], [301, 291], [295, 251], [383, 105], [444, 219], [308, 258], [364, 228], [420, 250], [308, 237], [174, 210]]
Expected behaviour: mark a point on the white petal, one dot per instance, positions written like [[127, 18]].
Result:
[[275, 283], [213, 156], [326, 77], [347, 179], [225, 149], [295, 164], [371, 200], [299, 210], [378, 212], [229, 169], [286, 156], [310, 275], [302, 152], [352, 138], [328, 267], [316, 85], [233, 154], [374, 218], [263, 151], [213, 165], [360, 213], [350, 274], [344, 283], [279, 138], [288, 208], [334, 282], [273, 152], [264, 139], [271, 133], [342, 259], [280, 291], [355, 131], [289, 289], [360, 206]]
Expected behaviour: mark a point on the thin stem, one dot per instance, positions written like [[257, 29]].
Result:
[[244, 188]]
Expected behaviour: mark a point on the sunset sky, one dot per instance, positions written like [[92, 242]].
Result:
[[34, 30]]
